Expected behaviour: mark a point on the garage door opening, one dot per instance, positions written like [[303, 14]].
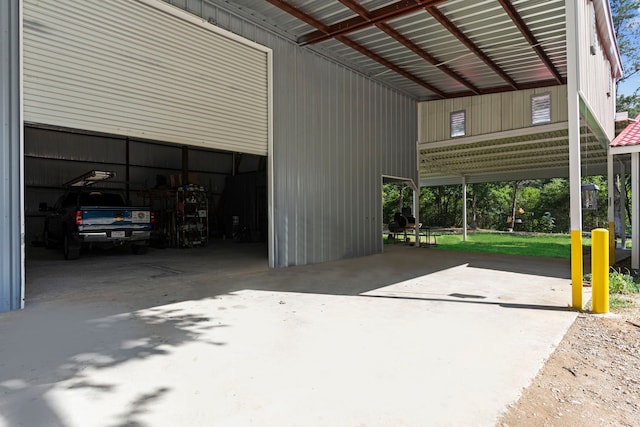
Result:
[[202, 199], [182, 117], [400, 210], [229, 188]]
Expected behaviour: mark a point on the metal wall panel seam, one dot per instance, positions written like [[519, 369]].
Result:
[[11, 159]]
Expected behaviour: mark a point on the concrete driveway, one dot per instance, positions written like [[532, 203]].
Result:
[[210, 337]]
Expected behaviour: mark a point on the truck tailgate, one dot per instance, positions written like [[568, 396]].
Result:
[[111, 218]]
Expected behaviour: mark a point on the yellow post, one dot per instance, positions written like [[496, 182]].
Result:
[[600, 270], [576, 269], [612, 243]]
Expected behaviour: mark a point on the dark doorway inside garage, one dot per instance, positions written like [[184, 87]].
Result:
[[201, 198]]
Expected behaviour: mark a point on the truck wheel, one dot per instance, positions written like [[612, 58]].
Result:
[[71, 248], [140, 249]]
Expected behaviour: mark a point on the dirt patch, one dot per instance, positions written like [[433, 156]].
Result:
[[592, 378]]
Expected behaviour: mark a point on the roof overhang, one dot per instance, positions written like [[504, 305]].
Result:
[[429, 49], [628, 141], [536, 152], [436, 49]]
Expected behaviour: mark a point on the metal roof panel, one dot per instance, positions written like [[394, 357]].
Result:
[[512, 61], [630, 136]]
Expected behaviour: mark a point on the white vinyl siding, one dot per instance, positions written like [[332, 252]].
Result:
[[132, 68], [595, 80]]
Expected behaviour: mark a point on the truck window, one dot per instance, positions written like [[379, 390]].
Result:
[[67, 200], [101, 199]]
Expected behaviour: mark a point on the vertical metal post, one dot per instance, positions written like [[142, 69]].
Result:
[[234, 161], [611, 209], [600, 270], [573, 100], [464, 209], [272, 240], [185, 165], [623, 203], [11, 158], [127, 170], [635, 211], [416, 213]]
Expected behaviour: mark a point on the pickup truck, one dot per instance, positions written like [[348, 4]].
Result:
[[82, 218]]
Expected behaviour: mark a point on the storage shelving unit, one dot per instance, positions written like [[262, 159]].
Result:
[[191, 216]]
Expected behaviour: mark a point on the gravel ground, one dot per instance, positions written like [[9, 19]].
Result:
[[592, 378]]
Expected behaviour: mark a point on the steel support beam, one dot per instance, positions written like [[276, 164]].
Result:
[[391, 32], [383, 14], [451, 27], [416, 214], [531, 39], [464, 209], [635, 211], [611, 209], [376, 16], [11, 158], [623, 201], [427, 57], [369, 53], [575, 202]]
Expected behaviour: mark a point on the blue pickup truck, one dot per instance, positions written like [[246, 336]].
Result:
[[87, 218]]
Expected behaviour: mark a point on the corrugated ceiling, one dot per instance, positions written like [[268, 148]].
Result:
[[436, 49]]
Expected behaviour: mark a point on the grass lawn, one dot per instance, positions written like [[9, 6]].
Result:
[[546, 245]]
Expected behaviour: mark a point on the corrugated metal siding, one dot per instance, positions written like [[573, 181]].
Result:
[[487, 113], [335, 133], [595, 73], [126, 68], [11, 196]]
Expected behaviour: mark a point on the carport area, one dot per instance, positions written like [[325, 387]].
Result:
[[210, 337]]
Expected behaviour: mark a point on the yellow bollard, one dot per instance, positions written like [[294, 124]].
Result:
[[600, 270], [576, 269]]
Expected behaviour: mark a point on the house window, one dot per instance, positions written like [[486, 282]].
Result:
[[457, 124], [541, 109]]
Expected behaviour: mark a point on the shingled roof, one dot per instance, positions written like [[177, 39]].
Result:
[[630, 136]]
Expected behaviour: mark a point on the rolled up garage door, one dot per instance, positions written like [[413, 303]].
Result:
[[146, 69]]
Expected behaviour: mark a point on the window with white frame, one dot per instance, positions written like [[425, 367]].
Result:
[[541, 108], [458, 124]]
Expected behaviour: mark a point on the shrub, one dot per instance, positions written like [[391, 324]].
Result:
[[622, 283]]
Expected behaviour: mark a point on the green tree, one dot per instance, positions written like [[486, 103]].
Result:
[[630, 103], [441, 206], [626, 23], [479, 195], [596, 218], [529, 200], [391, 195], [390, 201], [554, 198], [501, 199]]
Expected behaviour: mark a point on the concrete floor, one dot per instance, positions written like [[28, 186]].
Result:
[[212, 337]]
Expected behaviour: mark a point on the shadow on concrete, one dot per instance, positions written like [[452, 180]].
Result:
[[139, 406], [172, 275], [109, 308], [466, 301], [60, 346]]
